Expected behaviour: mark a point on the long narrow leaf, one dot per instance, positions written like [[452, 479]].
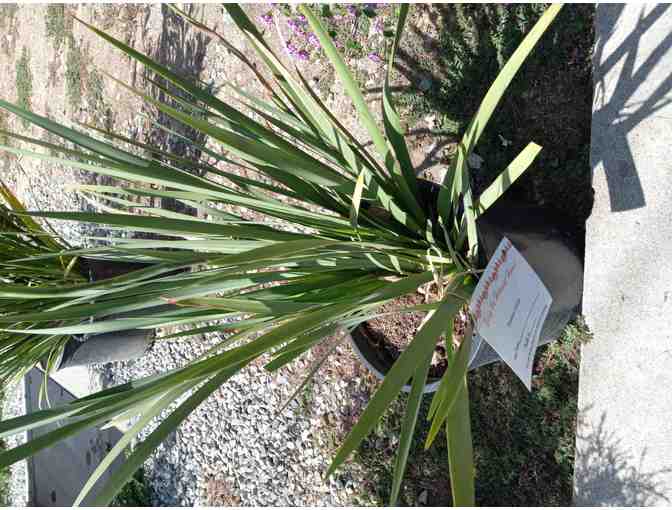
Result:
[[349, 82], [507, 177], [80, 139], [449, 388], [402, 168], [460, 450], [155, 409], [120, 477], [448, 193], [408, 426]]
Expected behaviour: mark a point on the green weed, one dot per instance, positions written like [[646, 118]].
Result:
[[3, 127], [58, 25], [7, 14], [98, 108], [24, 82], [135, 492], [73, 76]]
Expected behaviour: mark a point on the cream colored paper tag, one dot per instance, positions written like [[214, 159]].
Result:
[[509, 306]]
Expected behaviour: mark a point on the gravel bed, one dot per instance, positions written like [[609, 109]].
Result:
[[234, 439]]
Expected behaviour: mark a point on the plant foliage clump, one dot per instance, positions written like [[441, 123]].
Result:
[[344, 229]]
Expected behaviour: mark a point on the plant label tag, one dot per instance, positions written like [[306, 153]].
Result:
[[509, 306]]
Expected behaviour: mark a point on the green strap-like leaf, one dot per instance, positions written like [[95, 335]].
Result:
[[255, 151], [248, 305], [349, 82], [402, 168], [155, 407], [31, 225], [296, 348], [120, 477], [408, 426], [305, 105], [329, 350], [24, 450], [399, 288], [76, 137], [390, 201], [400, 373], [460, 450], [507, 177], [175, 227], [451, 382], [232, 49], [226, 110], [354, 153]]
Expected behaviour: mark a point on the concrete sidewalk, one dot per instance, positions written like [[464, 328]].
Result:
[[624, 436], [57, 474]]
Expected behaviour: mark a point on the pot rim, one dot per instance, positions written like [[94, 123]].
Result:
[[431, 385]]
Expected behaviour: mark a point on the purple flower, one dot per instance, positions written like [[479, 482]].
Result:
[[352, 10], [302, 55], [375, 57], [313, 39], [300, 32], [267, 18], [298, 24], [379, 26], [291, 48]]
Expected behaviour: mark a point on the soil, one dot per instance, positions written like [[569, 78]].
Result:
[[453, 50], [394, 332], [220, 493]]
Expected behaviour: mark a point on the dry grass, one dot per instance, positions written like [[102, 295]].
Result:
[[219, 492]]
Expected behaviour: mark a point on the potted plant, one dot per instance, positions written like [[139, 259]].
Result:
[[27, 260], [345, 232], [544, 239]]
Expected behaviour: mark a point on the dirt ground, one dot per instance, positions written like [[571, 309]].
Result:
[[153, 30]]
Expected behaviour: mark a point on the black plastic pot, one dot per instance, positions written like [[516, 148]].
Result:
[[106, 347], [101, 269], [548, 244]]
